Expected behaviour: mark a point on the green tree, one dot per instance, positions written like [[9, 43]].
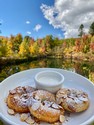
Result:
[[91, 29], [81, 31]]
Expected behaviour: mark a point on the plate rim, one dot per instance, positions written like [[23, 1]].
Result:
[[13, 75]]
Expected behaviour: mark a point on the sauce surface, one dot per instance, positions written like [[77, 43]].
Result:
[[49, 80]]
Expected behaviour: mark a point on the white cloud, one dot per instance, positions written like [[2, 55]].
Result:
[[69, 14], [28, 32], [37, 27], [28, 22]]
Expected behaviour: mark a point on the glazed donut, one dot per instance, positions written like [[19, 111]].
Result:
[[17, 98], [42, 106], [72, 100]]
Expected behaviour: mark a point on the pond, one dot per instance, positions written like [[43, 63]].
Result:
[[84, 68]]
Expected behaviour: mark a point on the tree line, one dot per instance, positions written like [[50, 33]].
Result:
[[18, 46], [23, 47]]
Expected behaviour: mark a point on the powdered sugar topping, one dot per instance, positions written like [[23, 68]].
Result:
[[72, 96]]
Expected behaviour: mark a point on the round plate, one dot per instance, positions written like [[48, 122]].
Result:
[[72, 80]]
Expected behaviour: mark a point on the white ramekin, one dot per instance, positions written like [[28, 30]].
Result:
[[49, 80]]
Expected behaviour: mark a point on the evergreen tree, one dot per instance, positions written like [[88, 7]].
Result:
[[81, 32], [91, 29]]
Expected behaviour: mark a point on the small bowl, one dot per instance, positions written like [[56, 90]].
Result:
[[49, 80]]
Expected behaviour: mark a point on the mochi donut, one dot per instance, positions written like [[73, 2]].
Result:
[[43, 107], [72, 100], [17, 98]]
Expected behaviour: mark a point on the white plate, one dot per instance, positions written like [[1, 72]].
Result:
[[72, 80]]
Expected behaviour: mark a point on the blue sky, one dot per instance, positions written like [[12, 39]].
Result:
[[26, 17], [38, 18]]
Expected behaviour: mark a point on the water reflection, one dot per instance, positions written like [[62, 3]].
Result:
[[84, 68]]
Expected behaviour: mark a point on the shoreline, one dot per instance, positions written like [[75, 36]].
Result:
[[73, 56], [76, 56], [81, 56]]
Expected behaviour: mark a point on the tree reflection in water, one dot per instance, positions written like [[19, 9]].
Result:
[[84, 68]]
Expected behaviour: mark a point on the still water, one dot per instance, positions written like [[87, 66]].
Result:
[[84, 68]]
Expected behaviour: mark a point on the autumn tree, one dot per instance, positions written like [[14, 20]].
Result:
[[41, 46], [12, 41], [27, 38], [31, 46], [91, 29], [15, 42], [55, 42], [48, 41], [18, 40], [92, 45], [36, 49], [3, 48], [77, 45], [31, 41], [32, 50], [9, 48], [24, 48]]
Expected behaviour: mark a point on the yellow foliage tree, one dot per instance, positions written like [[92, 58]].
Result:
[[9, 48], [24, 49], [31, 49]]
